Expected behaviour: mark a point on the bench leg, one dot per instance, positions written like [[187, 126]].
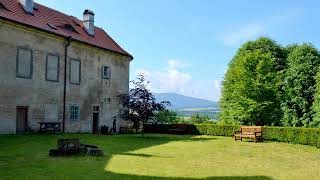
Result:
[[241, 139]]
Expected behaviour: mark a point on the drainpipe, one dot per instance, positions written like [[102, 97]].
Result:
[[68, 39]]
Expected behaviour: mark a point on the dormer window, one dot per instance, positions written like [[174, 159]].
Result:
[[67, 27], [52, 26]]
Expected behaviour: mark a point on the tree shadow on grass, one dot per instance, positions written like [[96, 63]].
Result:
[[142, 155], [136, 177], [33, 150], [151, 140]]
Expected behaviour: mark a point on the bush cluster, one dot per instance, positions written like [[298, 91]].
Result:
[[295, 135], [270, 85]]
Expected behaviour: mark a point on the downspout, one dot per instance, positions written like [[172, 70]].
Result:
[[68, 39]]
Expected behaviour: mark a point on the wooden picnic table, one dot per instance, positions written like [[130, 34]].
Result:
[[50, 127]]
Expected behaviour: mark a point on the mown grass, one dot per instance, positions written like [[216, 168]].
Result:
[[157, 157]]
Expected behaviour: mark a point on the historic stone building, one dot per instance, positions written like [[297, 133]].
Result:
[[57, 68]]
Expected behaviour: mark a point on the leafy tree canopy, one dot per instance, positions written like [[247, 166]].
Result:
[[250, 93], [316, 105], [300, 85]]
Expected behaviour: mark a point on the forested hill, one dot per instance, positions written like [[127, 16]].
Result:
[[181, 102]]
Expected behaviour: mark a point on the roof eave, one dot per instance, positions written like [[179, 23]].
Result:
[[76, 40]]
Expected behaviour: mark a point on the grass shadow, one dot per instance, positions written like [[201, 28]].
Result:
[[142, 155], [27, 156], [135, 177]]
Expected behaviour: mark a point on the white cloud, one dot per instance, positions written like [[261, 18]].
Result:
[[177, 64], [243, 34], [217, 88], [173, 79], [262, 27]]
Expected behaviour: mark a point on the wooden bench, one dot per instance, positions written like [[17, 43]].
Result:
[[252, 132], [50, 127]]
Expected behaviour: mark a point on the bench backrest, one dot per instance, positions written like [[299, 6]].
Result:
[[250, 129]]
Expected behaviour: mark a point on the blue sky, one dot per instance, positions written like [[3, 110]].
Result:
[[184, 46]]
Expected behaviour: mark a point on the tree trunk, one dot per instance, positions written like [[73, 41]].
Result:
[[142, 130]]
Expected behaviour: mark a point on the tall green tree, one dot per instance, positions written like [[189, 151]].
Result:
[[300, 85], [316, 105], [251, 91]]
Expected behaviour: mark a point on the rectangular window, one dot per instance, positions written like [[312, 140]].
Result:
[[75, 71], [52, 68], [106, 72], [74, 112], [95, 109], [24, 63]]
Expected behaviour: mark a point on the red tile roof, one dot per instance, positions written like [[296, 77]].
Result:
[[52, 21]]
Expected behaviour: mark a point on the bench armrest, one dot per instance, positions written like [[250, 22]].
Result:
[[257, 133], [237, 132]]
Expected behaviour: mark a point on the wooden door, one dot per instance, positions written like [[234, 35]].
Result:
[[22, 119], [95, 122]]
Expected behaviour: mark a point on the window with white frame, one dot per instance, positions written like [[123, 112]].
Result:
[[74, 112], [24, 63], [106, 72]]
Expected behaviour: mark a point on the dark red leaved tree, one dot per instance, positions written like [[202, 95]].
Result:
[[140, 106]]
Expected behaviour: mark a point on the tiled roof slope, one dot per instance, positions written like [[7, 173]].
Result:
[[52, 21]]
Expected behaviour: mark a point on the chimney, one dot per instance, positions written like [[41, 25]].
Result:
[[88, 21], [27, 5]]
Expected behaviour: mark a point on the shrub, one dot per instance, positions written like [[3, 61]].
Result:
[[199, 119], [166, 117], [295, 135]]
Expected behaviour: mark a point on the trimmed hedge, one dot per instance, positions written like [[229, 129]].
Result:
[[197, 129], [296, 135]]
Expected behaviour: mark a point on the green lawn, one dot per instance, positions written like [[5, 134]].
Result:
[[158, 157]]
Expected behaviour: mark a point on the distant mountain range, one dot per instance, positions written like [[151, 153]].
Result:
[[180, 102]]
